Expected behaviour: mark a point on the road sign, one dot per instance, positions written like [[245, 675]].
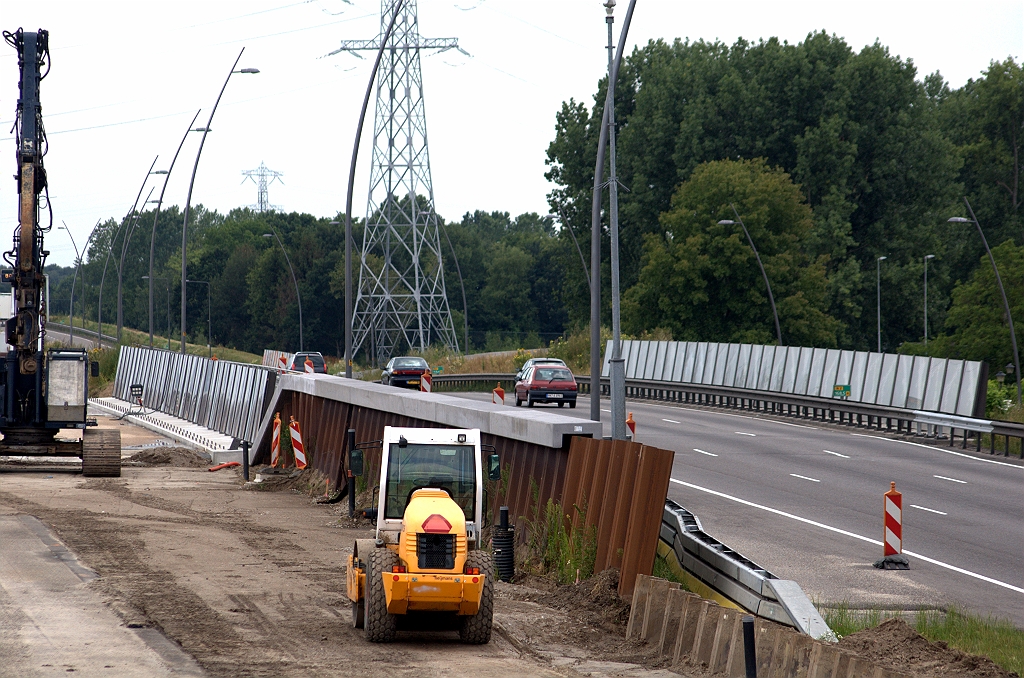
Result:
[[841, 391]]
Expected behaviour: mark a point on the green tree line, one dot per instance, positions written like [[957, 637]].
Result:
[[831, 157]]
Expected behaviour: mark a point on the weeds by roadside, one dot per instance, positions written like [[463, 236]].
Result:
[[559, 545], [997, 639]]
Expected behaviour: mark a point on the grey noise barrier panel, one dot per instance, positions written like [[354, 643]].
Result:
[[736, 578], [948, 386]]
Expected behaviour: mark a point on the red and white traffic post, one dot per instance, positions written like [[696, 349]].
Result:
[[498, 395], [425, 382], [892, 534]]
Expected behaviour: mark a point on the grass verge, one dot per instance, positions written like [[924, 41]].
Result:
[[997, 639]]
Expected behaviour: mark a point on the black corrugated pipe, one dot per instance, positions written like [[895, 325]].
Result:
[[505, 547]]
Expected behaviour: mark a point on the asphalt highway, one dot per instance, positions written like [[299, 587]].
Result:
[[805, 501]]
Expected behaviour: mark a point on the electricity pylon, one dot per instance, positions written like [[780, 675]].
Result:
[[401, 299], [263, 176]]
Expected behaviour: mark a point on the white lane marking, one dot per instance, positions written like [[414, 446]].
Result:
[[939, 449], [608, 411], [941, 513], [836, 454], [813, 480], [671, 421], [741, 433], [710, 454], [962, 482], [848, 534], [723, 414]]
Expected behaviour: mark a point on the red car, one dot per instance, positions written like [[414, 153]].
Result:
[[546, 384]]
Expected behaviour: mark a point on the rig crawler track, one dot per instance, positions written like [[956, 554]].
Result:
[[101, 454]]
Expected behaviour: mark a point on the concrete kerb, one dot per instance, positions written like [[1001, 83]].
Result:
[[541, 428], [702, 634]]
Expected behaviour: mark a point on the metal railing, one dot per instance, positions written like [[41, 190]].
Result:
[[834, 410]]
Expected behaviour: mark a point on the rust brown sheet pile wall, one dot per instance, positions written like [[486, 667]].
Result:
[[623, 484]]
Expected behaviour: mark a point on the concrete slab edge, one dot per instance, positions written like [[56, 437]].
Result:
[[199, 443]]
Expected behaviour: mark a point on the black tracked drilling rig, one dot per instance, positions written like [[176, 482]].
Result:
[[41, 391]]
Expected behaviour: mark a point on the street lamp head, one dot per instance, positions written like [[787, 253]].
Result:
[[609, 6], [882, 258], [268, 235], [929, 256], [159, 172], [958, 220], [1000, 377], [201, 129], [1009, 368], [248, 70], [726, 222], [333, 223]]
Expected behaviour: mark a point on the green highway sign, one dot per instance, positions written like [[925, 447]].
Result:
[[841, 391]]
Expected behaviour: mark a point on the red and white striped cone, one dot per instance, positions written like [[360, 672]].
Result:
[[275, 442], [297, 448], [282, 364], [498, 395], [425, 382], [308, 366], [892, 544]]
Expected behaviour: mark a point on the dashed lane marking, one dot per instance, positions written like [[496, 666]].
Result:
[[710, 454], [846, 533], [836, 454], [954, 480], [741, 433], [797, 475], [671, 421], [941, 513]]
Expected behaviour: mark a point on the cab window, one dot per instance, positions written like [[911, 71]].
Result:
[[448, 467]]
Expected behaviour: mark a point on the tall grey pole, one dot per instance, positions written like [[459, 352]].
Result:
[[617, 371], [351, 185], [156, 216], [209, 314], [926, 258], [595, 228], [188, 199], [298, 297], [757, 256], [878, 292], [120, 266], [1006, 304]]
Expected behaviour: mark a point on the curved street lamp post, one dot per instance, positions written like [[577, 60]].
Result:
[[999, 280], [188, 200], [926, 258], [771, 297], [167, 287], [878, 292], [298, 297], [209, 314]]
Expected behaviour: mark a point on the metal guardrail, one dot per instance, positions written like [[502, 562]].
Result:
[[736, 578], [879, 417], [64, 329]]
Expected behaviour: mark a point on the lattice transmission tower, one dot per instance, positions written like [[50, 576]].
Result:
[[401, 299], [263, 176]]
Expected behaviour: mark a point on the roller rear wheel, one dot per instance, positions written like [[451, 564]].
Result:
[[380, 626], [101, 453], [476, 630]]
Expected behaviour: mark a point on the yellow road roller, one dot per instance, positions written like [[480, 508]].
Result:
[[426, 560]]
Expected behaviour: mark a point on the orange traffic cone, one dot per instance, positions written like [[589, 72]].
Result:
[[275, 441], [498, 395], [631, 424]]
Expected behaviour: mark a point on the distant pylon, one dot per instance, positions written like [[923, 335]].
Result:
[[401, 300], [262, 176]]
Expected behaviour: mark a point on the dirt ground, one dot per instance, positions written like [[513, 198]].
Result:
[[251, 582]]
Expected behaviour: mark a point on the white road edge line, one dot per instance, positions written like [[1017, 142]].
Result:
[[710, 454], [848, 534], [741, 433], [813, 480], [671, 421], [836, 454], [939, 449], [941, 513], [724, 414], [962, 482]]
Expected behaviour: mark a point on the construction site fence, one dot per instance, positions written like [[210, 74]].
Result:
[[221, 395]]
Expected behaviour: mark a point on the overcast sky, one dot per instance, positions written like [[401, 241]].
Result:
[[127, 78]]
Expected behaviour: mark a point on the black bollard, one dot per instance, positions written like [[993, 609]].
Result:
[[245, 460], [748, 646]]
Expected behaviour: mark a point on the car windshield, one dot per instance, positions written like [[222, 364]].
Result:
[[410, 364], [449, 467], [553, 374]]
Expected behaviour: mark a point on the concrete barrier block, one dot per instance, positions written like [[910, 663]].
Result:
[[824, 661], [675, 606], [683, 642], [654, 614], [639, 606], [705, 637]]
